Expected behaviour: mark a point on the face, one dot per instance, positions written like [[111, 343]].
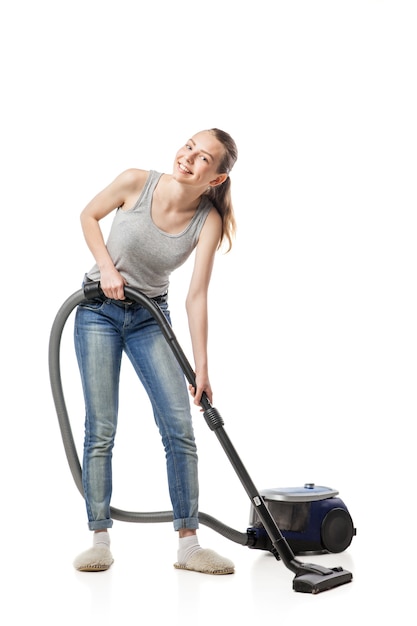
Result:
[[198, 161]]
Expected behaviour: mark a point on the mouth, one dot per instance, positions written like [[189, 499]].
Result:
[[184, 169]]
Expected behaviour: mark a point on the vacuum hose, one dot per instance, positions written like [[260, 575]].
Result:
[[309, 578], [92, 290]]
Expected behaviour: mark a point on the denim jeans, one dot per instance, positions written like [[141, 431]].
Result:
[[104, 329]]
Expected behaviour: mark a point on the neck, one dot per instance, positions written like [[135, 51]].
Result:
[[175, 194]]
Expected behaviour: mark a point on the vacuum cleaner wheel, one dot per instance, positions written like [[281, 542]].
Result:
[[337, 530]]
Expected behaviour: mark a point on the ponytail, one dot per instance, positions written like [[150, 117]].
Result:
[[221, 195]]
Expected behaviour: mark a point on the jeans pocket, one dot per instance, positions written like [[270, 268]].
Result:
[[95, 304]]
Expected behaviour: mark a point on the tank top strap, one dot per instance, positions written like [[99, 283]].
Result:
[[148, 189]]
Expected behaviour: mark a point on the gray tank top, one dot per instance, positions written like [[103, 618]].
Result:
[[143, 254]]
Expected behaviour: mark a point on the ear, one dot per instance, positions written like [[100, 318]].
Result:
[[218, 180]]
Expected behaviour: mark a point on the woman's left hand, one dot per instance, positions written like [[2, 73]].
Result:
[[203, 386]]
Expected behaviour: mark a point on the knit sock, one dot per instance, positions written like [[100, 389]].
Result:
[[187, 546], [101, 539]]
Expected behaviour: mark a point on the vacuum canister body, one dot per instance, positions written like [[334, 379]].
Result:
[[311, 518]]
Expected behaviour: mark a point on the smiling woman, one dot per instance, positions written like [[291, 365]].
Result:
[[160, 219], [209, 156], [196, 165]]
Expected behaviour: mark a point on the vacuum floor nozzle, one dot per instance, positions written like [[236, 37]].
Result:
[[321, 580]]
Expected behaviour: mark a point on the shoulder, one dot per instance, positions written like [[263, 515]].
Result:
[[132, 178], [212, 229], [127, 186], [214, 220]]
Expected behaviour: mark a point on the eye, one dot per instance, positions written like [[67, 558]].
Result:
[[203, 157], [188, 146]]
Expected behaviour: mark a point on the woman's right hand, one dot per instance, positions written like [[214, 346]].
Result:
[[112, 283]]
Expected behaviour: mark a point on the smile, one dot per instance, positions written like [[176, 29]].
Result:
[[184, 169]]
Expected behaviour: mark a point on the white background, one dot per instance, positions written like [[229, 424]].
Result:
[[312, 314]]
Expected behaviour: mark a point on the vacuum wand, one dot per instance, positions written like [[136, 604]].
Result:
[[309, 578]]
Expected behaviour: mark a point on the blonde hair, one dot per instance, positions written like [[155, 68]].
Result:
[[221, 195]]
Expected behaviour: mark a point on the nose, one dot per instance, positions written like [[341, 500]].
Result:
[[189, 156]]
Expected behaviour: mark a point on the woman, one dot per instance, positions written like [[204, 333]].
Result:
[[160, 219]]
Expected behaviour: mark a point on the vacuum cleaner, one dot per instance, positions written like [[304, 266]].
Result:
[[312, 518]]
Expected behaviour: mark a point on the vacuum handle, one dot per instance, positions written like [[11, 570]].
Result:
[[92, 289]]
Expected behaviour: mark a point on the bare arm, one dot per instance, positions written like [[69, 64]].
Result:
[[196, 302], [121, 192]]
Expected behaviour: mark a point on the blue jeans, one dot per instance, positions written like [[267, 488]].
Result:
[[104, 329]]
